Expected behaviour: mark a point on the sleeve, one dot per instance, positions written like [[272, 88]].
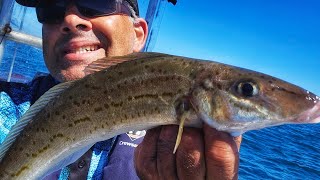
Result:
[[14, 101]]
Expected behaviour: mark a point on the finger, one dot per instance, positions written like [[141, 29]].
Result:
[[190, 155], [166, 163], [145, 156], [222, 157]]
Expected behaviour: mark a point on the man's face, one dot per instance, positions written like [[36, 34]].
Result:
[[77, 41]]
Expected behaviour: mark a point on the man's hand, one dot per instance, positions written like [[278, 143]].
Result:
[[202, 154]]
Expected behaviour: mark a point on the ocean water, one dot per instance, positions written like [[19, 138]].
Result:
[[282, 152], [21, 63]]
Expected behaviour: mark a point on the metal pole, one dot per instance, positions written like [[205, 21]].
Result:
[[5, 17], [24, 38], [15, 50], [154, 16], [6, 11]]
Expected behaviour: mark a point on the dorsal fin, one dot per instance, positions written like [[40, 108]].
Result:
[[102, 64], [30, 114], [107, 62]]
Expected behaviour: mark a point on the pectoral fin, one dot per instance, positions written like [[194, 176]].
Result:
[[182, 120]]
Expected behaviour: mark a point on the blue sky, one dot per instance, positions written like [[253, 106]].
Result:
[[280, 38]]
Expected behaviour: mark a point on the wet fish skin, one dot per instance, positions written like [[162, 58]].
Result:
[[151, 90]]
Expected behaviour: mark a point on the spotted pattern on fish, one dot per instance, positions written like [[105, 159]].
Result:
[[142, 91]]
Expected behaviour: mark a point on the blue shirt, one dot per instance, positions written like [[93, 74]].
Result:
[[110, 159]]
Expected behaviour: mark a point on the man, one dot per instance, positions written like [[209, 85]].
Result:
[[76, 33]]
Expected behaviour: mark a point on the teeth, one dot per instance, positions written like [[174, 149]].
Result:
[[86, 49]]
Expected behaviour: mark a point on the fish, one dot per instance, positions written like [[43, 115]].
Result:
[[141, 91]]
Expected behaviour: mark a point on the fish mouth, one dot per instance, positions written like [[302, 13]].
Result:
[[311, 115]]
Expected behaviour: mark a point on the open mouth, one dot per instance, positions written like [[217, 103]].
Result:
[[311, 115], [83, 49]]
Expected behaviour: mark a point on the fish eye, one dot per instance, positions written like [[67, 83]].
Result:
[[247, 89]]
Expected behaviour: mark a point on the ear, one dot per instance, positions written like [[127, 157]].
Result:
[[141, 33]]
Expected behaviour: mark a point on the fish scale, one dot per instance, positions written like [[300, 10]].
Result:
[[120, 100], [145, 90]]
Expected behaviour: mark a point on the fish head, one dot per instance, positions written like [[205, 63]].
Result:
[[236, 100]]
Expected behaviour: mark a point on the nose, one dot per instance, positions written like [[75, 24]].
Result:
[[74, 21]]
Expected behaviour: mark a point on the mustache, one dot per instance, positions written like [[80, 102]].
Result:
[[78, 35]]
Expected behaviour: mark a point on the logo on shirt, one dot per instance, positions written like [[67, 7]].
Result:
[[134, 135]]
